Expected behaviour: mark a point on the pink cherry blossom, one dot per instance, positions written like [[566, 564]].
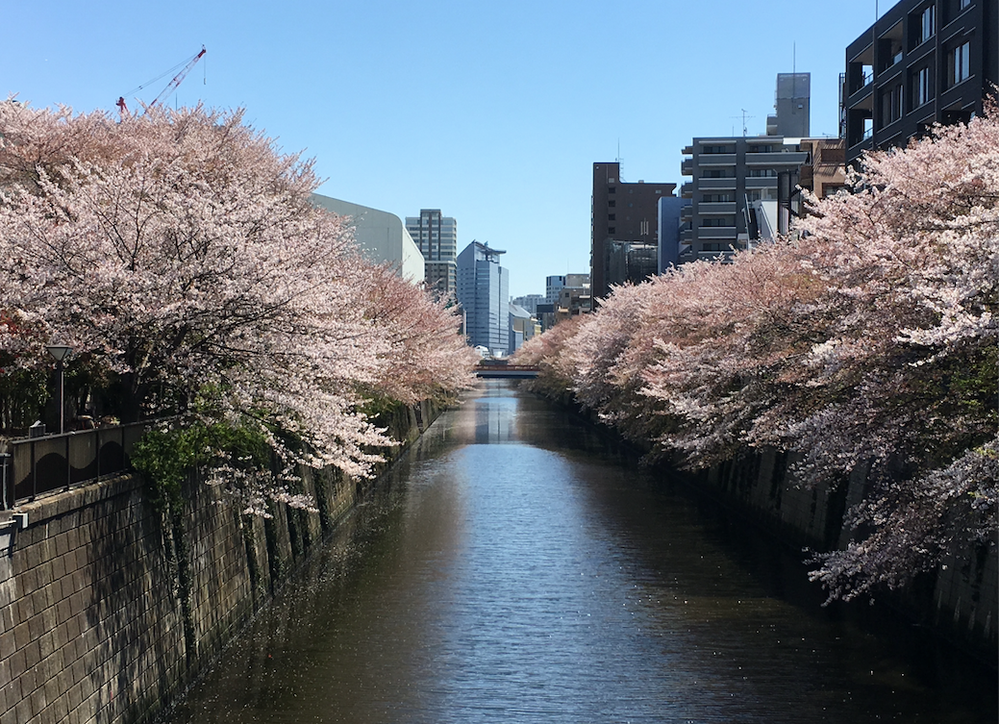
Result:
[[179, 253]]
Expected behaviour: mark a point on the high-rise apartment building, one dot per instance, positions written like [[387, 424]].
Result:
[[484, 294], [736, 178], [922, 62], [624, 228], [437, 237], [730, 174]]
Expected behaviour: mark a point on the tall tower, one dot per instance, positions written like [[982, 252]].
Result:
[[437, 237], [792, 106], [484, 294]]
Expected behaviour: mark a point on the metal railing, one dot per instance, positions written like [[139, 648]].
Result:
[[35, 466]]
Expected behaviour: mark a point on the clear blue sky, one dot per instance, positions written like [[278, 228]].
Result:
[[492, 112]]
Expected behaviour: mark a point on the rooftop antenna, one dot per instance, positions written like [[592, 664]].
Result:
[[745, 131]]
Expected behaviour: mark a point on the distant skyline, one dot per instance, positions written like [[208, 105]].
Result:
[[493, 113]]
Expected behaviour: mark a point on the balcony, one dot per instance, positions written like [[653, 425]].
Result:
[[717, 232], [716, 159], [687, 190], [687, 167], [708, 255], [715, 207], [686, 213], [775, 160], [762, 182], [711, 184]]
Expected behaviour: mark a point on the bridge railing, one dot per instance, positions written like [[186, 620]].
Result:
[[35, 466]]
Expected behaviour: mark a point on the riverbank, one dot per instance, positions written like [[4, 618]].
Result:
[[517, 566], [958, 601], [108, 612]]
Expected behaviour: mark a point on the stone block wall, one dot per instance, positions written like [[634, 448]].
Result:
[[960, 600], [91, 628], [98, 622]]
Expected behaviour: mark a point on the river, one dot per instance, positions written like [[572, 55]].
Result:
[[517, 566]]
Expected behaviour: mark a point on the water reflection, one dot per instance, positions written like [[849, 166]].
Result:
[[516, 568]]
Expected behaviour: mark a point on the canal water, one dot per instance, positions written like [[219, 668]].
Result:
[[517, 566]]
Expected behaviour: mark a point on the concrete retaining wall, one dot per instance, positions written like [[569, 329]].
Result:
[[107, 611], [960, 600]]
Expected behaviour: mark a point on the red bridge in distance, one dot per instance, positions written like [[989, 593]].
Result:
[[499, 370]]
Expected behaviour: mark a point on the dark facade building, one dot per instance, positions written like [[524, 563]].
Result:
[[922, 62], [730, 175], [624, 217], [792, 106]]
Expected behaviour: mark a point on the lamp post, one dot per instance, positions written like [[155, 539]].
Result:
[[60, 352]]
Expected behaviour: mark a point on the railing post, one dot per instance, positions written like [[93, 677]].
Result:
[[69, 466], [8, 495], [34, 472]]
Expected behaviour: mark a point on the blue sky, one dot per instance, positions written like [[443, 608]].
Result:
[[492, 112]]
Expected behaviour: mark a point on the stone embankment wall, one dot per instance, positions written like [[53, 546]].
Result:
[[107, 610], [960, 600]]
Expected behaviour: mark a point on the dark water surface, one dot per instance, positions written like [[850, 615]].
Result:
[[518, 567]]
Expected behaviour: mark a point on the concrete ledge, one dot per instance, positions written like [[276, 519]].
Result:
[[57, 504]]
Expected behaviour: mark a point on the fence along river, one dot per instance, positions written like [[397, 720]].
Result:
[[517, 566]]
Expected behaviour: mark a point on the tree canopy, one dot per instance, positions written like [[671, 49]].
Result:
[[866, 340], [179, 255]]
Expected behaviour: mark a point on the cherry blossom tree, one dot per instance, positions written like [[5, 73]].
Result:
[[179, 252], [867, 341]]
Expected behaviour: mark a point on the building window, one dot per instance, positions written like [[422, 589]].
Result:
[[891, 104], [611, 229], [717, 149], [612, 190], [766, 148], [959, 64], [922, 88], [922, 25], [718, 173], [611, 217], [761, 173], [927, 22], [612, 203]]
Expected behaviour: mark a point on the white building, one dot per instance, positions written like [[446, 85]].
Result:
[[380, 235]]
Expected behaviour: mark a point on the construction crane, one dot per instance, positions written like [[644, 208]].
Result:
[[171, 86]]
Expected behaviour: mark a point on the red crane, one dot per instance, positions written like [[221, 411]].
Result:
[[171, 86]]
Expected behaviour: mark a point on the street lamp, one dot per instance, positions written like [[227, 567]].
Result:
[[60, 352]]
